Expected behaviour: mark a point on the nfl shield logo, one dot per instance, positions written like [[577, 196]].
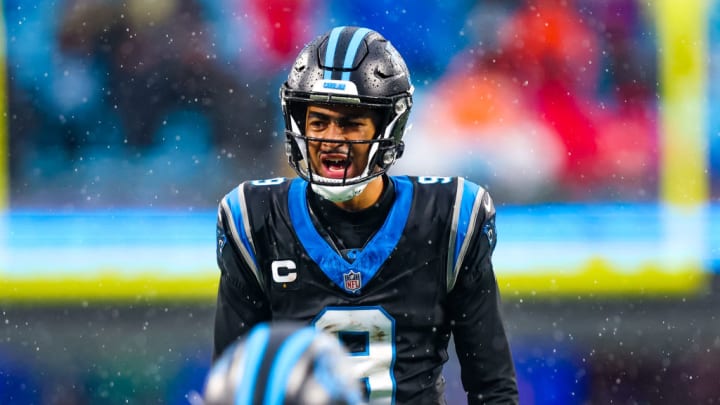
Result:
[[353, 282]]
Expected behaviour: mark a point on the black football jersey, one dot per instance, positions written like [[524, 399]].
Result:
[[424, 275]]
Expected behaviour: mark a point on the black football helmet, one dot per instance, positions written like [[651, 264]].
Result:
[[285, 364], [351, 66]]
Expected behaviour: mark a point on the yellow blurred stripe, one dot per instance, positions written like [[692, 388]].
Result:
[[598, 278], [108, 287], [682, 33]]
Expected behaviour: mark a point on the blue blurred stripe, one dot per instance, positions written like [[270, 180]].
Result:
[[254, 350], [285, 360], [179, 242]]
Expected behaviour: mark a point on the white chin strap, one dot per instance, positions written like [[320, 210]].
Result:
[[340, 193]]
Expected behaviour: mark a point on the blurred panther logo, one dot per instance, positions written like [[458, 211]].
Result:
[[489, 231], [221, 241]]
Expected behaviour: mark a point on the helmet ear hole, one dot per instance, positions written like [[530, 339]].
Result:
[[389, 157], [292, 150], [391, 154], [399, 150]]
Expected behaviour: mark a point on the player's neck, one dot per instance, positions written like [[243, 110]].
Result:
[[367, 198]]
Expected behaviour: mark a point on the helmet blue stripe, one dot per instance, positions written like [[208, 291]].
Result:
[[352, 50], [330, 51], [255, 349], [285, 360]]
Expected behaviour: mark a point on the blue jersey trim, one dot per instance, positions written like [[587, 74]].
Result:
[[330, 51], [286, 358], [469, 194], [372, 256], [233, 200], [255, 347], [352, 50]]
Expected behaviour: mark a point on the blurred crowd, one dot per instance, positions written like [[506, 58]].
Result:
[[169, 103], [554, 101]]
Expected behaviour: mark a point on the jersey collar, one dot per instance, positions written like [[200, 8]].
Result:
[[371, 257]]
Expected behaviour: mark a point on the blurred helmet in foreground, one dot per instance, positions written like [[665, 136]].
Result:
[[282, 363]]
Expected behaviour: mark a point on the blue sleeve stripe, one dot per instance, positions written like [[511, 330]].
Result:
[[255, 347], [451, 255], [330, 51], [236, 206], [352, 50], [467, 216], [286, 358], [246, 229], [467, 213]]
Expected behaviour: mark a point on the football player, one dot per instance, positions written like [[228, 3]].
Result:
[[392, 265]]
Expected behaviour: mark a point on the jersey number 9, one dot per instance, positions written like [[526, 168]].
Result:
[[377, 328]]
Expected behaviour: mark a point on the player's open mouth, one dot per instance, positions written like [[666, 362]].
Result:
[[335, 165]]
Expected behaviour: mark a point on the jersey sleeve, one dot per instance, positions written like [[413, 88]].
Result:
[[241, 301], [487, 370]]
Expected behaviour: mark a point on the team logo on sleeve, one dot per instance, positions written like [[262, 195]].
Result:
[[353, 281], [489, 231], [221, 241]]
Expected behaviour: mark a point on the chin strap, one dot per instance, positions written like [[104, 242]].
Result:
[[340, 193]]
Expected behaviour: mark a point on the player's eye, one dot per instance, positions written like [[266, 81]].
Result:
[[317, 124], [353, 125]]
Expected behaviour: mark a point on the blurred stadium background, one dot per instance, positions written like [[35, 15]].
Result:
[[592, 123]]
